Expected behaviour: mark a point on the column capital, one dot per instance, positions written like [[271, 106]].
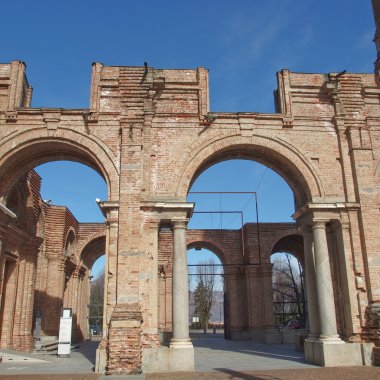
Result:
[[319, 224], [108, 207], [180, 223], [112, 223]]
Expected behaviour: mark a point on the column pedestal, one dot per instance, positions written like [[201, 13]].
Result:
[[337, 353], [329, 350]]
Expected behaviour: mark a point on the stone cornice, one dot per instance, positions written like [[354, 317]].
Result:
[[337, 206]]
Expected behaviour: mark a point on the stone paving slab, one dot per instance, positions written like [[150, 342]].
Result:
[[215, 359], [334, 373], [212, 354]]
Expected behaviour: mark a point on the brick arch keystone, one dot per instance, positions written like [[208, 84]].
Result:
[[273, 152], [26, 149]]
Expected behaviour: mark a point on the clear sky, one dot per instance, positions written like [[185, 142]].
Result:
[[242, 42]]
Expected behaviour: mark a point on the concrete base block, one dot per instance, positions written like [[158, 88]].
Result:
[[289, 336], [101, 360], [273, 337], [376, 356], [367, 353], [168, 359], [335, 353], [240, 335], [164, 337], [257, 335], [299, 340], [309, 350]]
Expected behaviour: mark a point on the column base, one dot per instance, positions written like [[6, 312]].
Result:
[[101, 360], [181, 343], [335, 353], [168, 359]]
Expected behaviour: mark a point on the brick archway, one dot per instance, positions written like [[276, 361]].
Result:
[[193, 242], [292, 244], [93, 248], [278, 155], [23, 151]]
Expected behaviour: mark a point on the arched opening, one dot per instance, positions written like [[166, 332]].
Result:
[[242, 206], [206, 290], [279, 156], [96, 302], [49, 204], [248, 208], [289, 298], [93, 258]]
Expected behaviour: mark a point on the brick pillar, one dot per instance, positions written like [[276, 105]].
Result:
[[110, 290], [124, 341], [110, 281], [76, 281], [23, 322], [236, 303], [53, 298], [260, 299], [267, 295]]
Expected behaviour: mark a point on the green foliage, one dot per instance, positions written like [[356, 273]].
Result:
[[96, 302], [204, 293]]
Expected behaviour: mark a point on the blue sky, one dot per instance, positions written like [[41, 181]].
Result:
[[242, 42]]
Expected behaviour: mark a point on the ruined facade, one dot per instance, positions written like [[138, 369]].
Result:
[[149, 133], [45, 264]]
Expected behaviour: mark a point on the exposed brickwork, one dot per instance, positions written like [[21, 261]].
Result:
[[124, 341]]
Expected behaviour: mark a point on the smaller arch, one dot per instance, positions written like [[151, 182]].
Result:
[[292, 244], [69, 243], [93, 249], [214, 248]]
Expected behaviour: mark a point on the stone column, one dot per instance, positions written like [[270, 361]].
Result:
[[326, 306], [180, 287], [311, 290]]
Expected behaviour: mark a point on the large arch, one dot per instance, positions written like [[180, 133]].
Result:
[[277, 154], [23, 151]]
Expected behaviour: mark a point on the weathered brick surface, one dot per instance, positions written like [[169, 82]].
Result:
[[124, 341]]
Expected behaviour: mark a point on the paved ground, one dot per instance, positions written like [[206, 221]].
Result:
[[215, 359]]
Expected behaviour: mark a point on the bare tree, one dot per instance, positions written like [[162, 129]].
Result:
[[288, 289]]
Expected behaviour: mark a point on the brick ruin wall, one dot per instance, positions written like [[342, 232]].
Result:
[[149, 132]]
